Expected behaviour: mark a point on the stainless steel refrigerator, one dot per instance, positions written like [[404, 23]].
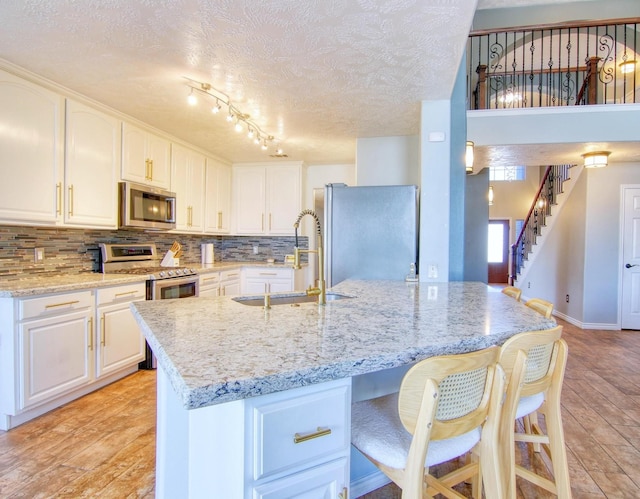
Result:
[[369, 232]]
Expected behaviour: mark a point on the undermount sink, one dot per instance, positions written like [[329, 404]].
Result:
[[287, 299]]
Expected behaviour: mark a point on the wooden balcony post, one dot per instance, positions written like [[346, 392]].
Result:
[[592, 72], [482, 86]]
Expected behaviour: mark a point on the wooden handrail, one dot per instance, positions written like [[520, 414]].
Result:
[[560, 25], [533, 206]]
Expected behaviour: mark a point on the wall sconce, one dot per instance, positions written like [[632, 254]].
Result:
[[598, 159], [468, 156], [627, 66], [490, 195]]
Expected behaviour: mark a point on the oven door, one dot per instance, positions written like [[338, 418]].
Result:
[[179, 287]]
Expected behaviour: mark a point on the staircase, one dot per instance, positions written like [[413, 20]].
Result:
[[551, 186]]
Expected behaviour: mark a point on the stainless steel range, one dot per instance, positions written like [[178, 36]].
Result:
[[162, 282], [142, 259]]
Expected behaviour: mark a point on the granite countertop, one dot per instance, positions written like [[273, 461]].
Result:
[[216, 350], [33, 285]]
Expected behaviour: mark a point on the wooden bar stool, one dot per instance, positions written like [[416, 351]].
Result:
[[541, 306], [538, 391], [513, 292], [447, 406]]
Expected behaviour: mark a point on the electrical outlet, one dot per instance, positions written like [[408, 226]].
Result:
[[567, 298], [38, 255], [432, 272], [529, 285]]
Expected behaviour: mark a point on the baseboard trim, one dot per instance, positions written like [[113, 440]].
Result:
[[368, 483], [587, 325]]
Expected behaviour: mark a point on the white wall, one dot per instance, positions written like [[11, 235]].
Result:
[[388, 161]]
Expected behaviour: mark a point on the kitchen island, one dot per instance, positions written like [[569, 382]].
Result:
[[243, 390]]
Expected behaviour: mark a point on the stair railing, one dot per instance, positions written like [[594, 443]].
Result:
[[550, 187]]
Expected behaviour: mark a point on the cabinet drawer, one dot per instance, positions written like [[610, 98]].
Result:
[[230, 275], [208, 280], [128, 292], [54, 304], [292, 433], [268, 273]]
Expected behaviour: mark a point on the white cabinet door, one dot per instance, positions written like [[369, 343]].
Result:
[[230, 283], [31, 151], [249, 204], [92, 158], [188, 182], [56, 356], [327, 481], [265, 280], [284, 198], [120, 342], [209, 284], [254, 286], [145, 157], [217, 197], [267, 199]]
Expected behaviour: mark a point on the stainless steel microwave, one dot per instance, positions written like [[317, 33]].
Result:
[[146, 207]]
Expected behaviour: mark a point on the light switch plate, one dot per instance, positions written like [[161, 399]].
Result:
[[38, 255]]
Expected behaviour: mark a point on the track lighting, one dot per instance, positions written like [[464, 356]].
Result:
[[234, 115]]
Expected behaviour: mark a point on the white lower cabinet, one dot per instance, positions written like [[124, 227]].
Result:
[[230, 282], [299, 442], [55, 337], [120, 342], [58, 347], [267, 280], [209, 284]]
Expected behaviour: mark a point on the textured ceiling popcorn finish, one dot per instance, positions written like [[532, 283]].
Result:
[[317, 74]]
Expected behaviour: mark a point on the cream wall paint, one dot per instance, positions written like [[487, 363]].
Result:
[[388, 161]]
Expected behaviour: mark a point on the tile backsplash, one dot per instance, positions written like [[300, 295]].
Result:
[[72, 251]]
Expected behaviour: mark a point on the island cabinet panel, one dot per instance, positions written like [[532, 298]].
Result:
[[31, 152], [296, 431]]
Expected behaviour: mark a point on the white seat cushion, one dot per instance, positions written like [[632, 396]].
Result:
[[527, 405], [376, 430]]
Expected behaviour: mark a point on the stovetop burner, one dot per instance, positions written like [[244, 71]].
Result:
[[138, 259]]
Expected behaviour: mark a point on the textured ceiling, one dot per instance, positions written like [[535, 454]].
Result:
[[316, 74]]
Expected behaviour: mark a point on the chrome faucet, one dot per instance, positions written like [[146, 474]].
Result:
[[320, 290]]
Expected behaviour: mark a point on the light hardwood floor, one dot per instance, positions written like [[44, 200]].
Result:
[[102, 445]]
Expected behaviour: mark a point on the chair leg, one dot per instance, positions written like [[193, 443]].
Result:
[[558, 450]]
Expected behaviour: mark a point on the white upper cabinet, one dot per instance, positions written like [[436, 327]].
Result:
[[267, 198], [187, 181], [92, 158], [31, 152], [145, 157], [217, 197]]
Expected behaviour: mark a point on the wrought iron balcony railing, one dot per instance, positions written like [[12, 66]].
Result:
[[591, 62]]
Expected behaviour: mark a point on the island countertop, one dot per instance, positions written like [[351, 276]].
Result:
[[216, 350]]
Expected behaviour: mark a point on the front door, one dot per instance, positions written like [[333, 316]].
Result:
[[630, 316], [498, 251]]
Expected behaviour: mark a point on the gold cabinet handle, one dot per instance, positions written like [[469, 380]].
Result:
[[53, 305], [58, 198], [303, 437], [209, 279], [262, 223], [150, 169], [267, 273], [125, 293], [146, 169], [103, 340], [344, 494], [90, 333], [219, 220], [71, 200]]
